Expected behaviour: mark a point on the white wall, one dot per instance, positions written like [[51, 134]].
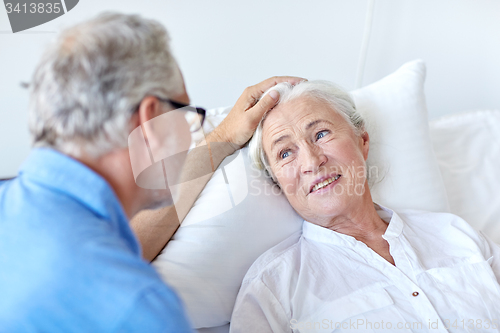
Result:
[[459, 40], [224, 46]]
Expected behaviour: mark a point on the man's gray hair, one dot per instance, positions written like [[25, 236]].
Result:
[[92, 78], [339, 100]]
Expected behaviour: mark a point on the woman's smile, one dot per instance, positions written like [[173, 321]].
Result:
[[325, 185]]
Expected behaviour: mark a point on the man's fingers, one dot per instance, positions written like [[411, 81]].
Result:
[[264, 105], [254, 93], [257, 90]]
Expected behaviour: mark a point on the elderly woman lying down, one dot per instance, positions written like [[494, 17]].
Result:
[[356, 266]]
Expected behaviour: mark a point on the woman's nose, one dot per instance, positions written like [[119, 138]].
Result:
[[312, 159]]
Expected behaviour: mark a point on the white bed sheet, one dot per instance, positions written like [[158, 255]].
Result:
[[467, 147]]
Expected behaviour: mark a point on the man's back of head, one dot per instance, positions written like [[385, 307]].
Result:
[[90, 80]]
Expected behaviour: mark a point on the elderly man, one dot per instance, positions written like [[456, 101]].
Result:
[[69, 261]]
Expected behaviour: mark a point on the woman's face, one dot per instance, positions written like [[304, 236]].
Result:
[[316, 157]]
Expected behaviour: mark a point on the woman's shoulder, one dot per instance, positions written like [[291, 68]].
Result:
[[279, 258], [444, 228], [423, 217]]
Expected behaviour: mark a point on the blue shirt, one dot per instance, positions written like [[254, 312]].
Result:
[[69, 261]]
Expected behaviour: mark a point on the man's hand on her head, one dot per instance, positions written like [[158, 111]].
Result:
[[154, 228], [240, 124]]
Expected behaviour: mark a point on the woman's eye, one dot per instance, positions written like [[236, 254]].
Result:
[[285, 154], [321, 134]]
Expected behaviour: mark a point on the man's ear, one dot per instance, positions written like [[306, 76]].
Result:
[[149, 108]]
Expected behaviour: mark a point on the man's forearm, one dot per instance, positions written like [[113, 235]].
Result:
[[154, 228]]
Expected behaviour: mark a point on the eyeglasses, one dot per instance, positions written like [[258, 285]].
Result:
[[194, 120], [195, 116]]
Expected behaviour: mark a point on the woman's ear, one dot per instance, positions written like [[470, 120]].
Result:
[[365, 144]]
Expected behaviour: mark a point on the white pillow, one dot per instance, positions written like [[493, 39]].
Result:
[[400, 146], [233, 222], [229, 226]]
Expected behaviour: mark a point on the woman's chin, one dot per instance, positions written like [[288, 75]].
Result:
[[324, 208]]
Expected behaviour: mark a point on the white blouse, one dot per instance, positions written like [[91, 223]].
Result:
[[446, 278]]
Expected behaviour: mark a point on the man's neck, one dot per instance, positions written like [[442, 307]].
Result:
[[115, 168]]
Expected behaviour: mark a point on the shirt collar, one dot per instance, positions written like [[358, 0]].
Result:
[[324, 235], [62, 173]]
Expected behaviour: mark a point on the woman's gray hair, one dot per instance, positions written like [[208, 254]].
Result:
[[91, 79], [339, 100]]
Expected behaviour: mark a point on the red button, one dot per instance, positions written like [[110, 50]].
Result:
[[415, 293]]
